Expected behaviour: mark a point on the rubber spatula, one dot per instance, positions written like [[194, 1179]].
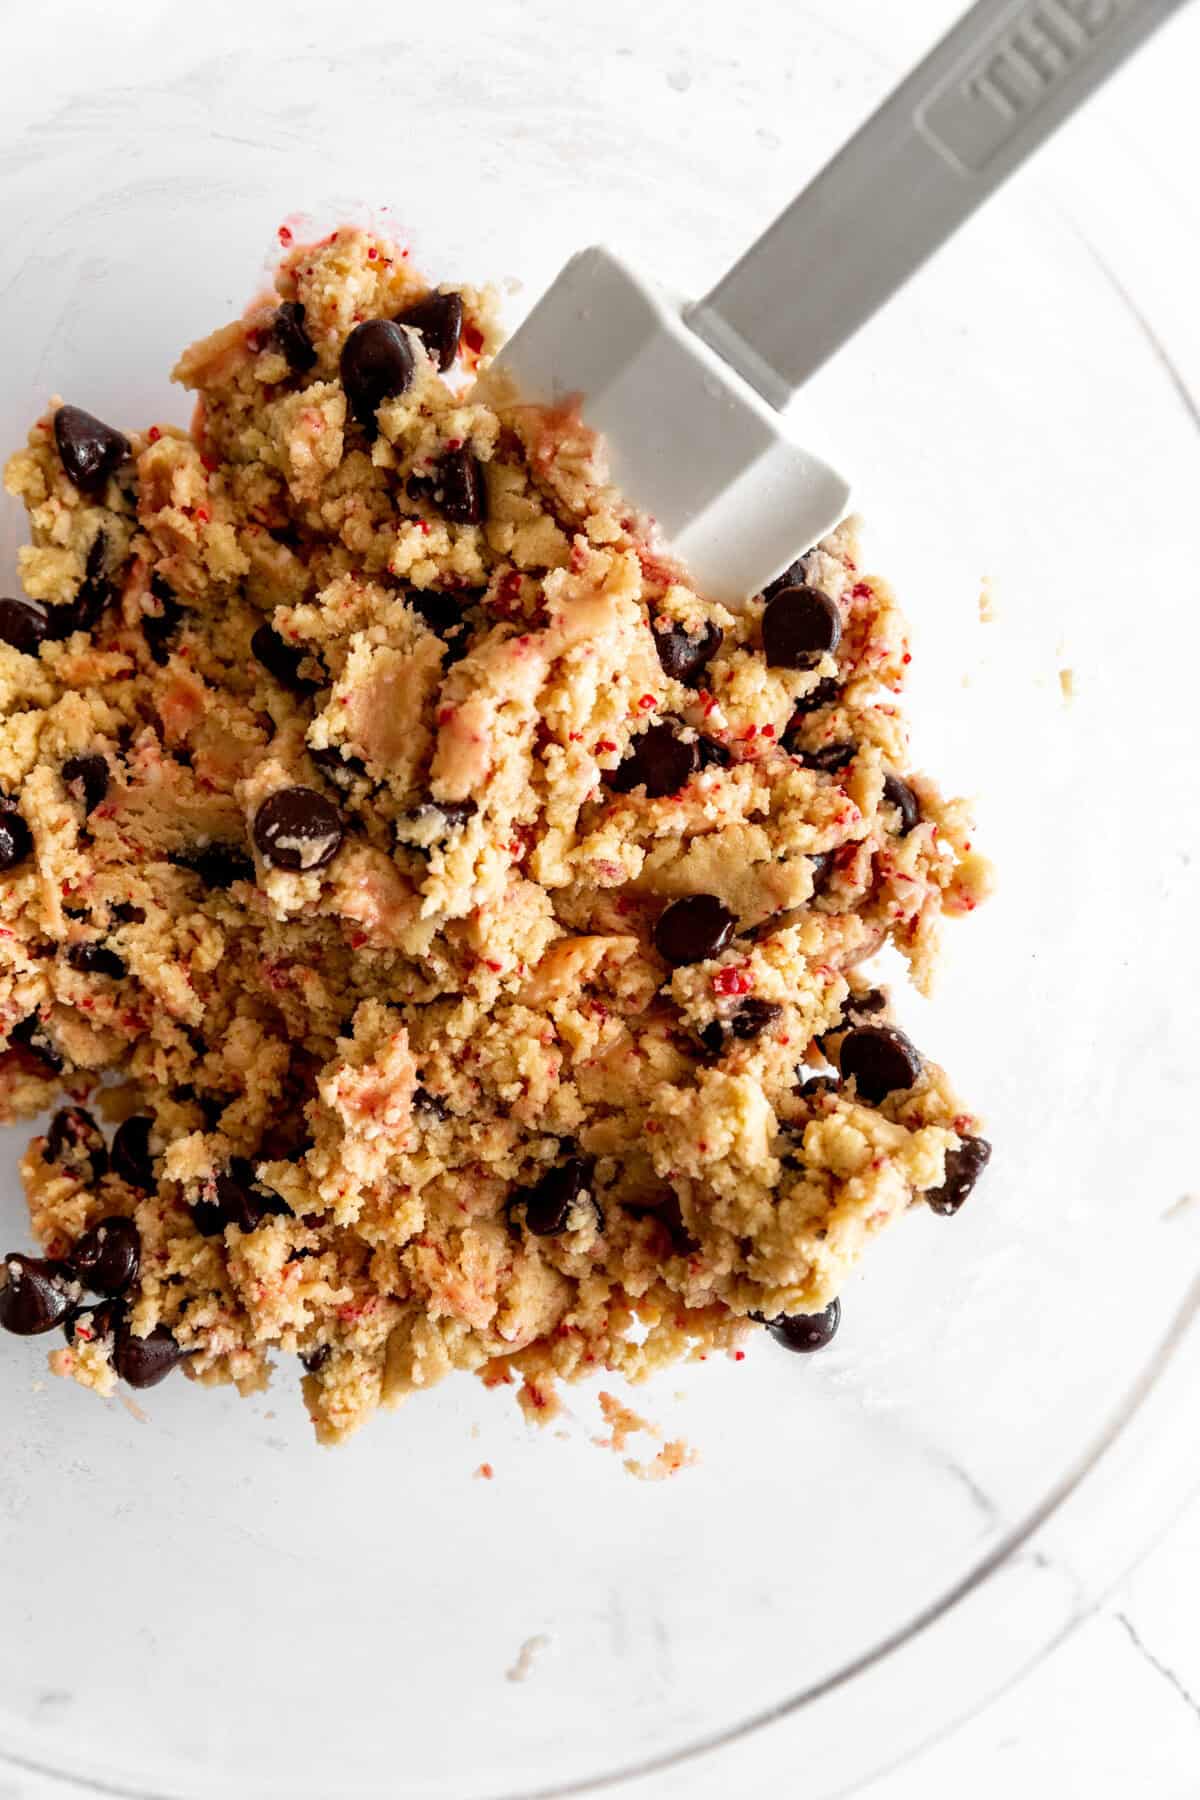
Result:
[[691, 398]]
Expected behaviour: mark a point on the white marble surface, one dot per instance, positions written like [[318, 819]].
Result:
[[1113, 1712]]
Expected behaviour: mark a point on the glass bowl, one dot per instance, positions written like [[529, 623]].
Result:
[[199, 1600]]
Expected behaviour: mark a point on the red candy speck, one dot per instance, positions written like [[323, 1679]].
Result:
[[154, 434], [472, 336], [732, 981], [285, 235]]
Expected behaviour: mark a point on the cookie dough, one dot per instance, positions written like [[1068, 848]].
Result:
[[440, 926]]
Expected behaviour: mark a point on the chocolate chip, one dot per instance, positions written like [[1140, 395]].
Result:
[[242, 1199], [753, 1017], [804, 1332], [37, 1295], [793, 576], [817, 1085], [438, 322], [299, 829], [92, 595], [432, 822], [830, 759], [96, 959], [208, 1217], [683, 655], [218, 865], [282, 660], [144, 1361], [92, 1323], [669, 1214], [897, 793], [858, 1008], [285, 1139], [291, 339], [90, 450], [964, 1166], [131, 1158], [826, 693], [158, 628], [23, 625], [343, 771], [548, 1204], [659, 761], [106, 1258], [712, 1036], [455, 488], [441, 612], [822, 862], [714, 755], [213, 1105], [86, 779], [800, 625], [314, 1360], [30, 1035], [433, 1104], [880, 1059], [693, 929], [16, 839], [75, 1144], [455, 813], [377, 363]]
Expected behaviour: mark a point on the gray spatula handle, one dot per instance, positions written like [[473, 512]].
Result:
[[993, 90]]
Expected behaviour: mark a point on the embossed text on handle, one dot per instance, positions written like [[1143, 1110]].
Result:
[[976, 112]]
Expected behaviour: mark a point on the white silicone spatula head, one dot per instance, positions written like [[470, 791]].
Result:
[[690, 442], [689, 399]]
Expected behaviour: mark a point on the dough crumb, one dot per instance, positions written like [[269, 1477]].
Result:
[[674, 1456], [987, 603], [530, 1650], [623, 1423], [1066, 682], [538, 1401], [444, 930]]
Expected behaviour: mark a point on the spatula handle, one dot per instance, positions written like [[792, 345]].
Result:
[[993, 90]]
